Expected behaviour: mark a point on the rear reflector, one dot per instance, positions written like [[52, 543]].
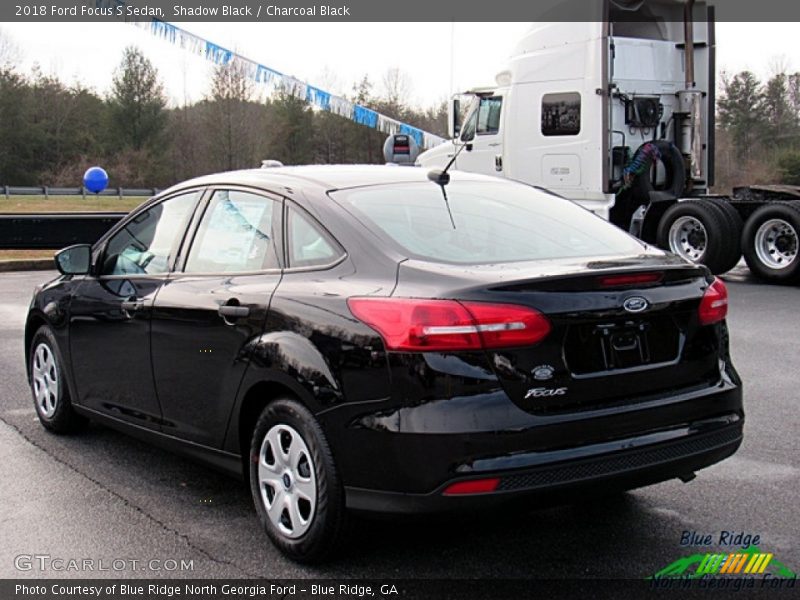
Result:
[[441, 325], [614, 281], [714, 305], [475, 486]]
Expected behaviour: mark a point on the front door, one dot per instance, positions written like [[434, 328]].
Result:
[[110, 313], [484, 138], [208, 311]]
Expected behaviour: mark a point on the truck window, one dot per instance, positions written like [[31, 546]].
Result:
[[489, 115], [561, 114]]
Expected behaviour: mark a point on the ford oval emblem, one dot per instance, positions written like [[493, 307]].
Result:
[[635, 304]]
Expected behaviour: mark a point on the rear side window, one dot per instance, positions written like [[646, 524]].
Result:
[[308, 244], [484, 222], [236, 234], [561, 114]]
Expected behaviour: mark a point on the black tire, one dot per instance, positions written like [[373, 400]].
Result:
[[785, 212], [716, 249], [674, 171], [734, 235], [51, 397], [327, 525]]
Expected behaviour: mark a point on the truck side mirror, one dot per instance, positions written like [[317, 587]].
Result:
[[454, 118]]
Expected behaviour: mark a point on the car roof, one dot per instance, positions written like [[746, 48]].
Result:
[[326, 177]]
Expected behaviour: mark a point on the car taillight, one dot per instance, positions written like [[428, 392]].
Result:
[[440, 325], [714, 305]]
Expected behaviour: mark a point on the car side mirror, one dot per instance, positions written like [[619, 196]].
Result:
[[74, 260]]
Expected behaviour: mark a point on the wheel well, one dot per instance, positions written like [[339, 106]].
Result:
[[256, 398], [31, 327]]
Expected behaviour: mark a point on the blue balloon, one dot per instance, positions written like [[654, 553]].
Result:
[[95, 179]]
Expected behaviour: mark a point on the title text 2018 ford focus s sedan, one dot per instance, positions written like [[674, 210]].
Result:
[[364, 338]]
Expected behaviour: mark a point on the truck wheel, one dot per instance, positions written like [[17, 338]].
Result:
[[770, 242], [697, 231], [734, 236]]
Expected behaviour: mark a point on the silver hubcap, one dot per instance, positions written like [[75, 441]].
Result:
[[287, 481], [776, 244], [44, 374], [688, 238]]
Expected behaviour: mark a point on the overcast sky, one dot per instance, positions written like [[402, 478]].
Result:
[[333, 56]]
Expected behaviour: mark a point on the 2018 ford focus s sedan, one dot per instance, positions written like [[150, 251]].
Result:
[[367, 339]]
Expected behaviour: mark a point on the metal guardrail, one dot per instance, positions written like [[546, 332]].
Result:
[[46, 190], [34, 231], [29, 231]]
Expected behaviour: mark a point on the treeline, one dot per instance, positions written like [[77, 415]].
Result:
[[758, 129], [50, 132]]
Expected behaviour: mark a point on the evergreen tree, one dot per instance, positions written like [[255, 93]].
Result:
[[292, 129], [137, 103], [739, 109]]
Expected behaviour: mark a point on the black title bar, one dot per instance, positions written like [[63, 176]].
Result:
[[376, 10]]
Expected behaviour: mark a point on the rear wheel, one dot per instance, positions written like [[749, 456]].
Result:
[[295, 486], [49, 387], [699, 232], [770, 242], [734, 235]]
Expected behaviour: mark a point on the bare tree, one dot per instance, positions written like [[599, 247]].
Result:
[[9, 51], [396, 90], [230, 115]]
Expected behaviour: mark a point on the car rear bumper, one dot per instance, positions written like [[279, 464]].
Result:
[[618, 465]]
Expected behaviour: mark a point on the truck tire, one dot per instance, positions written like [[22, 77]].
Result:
[[734, 236], [770, 242], [699, 232]]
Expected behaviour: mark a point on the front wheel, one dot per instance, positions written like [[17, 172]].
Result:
[[49, 387], [699, 232], [295, 486], [770, 242]]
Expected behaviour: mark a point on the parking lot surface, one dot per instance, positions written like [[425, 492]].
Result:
[[102, 495]]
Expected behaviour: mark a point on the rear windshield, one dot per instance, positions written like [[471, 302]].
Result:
[[487, 222]]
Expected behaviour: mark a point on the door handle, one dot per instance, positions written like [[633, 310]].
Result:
[[132, 304], [233, 311]]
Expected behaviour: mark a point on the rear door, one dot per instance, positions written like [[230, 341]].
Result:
[[211, 307]]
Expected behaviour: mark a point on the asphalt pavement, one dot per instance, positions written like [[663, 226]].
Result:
[[104, 497]]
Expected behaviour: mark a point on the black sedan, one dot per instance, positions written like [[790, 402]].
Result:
[[374, 339]]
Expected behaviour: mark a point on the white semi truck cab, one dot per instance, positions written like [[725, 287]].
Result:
[[618, 115], [575, 96]]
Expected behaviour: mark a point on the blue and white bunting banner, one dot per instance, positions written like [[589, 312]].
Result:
[[319, 99]]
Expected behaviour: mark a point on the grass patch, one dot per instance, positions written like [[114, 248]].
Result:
[[28, 254], [23, 204]]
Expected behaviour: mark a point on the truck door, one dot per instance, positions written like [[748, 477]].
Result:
[[483, 135]]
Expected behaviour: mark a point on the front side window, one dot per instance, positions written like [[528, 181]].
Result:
[[482, 223], [308, 244], [145, 245], [236, 234], [489, 115], [561, 114], [484, 119]]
